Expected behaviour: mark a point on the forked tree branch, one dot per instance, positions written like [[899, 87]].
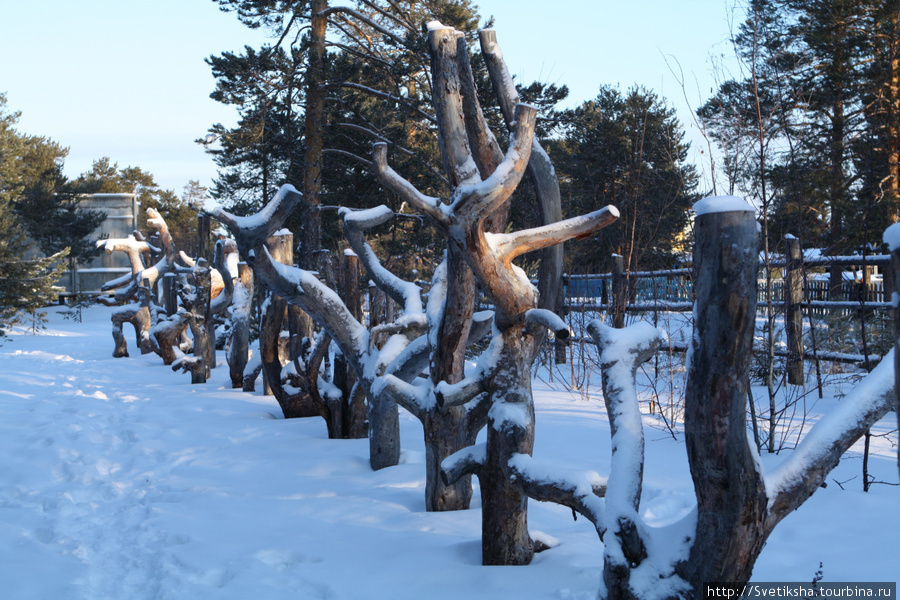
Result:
[[251, 232], [389, 178], [130, 246], [476, 202], [406, 294]]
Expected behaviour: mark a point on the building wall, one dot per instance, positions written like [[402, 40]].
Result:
[[121, 221]]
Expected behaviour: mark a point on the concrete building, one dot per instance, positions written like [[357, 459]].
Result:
[[121, 221]]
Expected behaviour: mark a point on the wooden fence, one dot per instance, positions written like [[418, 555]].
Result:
[[797, 289]]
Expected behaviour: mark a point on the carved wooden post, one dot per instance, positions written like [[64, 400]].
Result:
[[198, 322], [731, 496], [280, 246], [170, 298], [238, 352], [793, 300], [619, 291], [203, 235], [354, 414]]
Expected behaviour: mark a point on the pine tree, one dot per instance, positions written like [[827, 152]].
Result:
[[628, 151], [25, 284]]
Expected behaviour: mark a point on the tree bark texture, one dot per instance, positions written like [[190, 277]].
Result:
[[310, 233], [239, 345], [510, 431], [730, 493], [198, 322]]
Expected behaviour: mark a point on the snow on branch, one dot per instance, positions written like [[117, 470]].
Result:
[[166, 264], [457, 394], [303, 289], [477, 201], [131, 247], [511, 245], [416, 399], [467, 461], [803, 472], [539, 317], [252, 231], [406, 294], [622, 351], [582, 491]]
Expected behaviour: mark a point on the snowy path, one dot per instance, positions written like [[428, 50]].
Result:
[[119, 479]]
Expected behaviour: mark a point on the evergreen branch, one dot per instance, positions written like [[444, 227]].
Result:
[[385, 95]]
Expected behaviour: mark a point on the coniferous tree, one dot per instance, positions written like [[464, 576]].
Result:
[[816, 118], [627, 150], [25, 283]]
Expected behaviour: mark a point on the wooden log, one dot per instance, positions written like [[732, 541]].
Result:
[[619, 291], [203, 224], [731, 496], [793, 305], [198, 322], [242, 309], [170, 297]]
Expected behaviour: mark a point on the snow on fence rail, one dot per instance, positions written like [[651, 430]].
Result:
[[671, 290]]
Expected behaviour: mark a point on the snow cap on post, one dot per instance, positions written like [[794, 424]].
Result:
[[891, 237], [714, 204]]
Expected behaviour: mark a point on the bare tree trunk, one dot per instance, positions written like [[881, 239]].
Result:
[[731, 497], [310, 233], [198, 322], [168, 332], [239, 345], [793, 294], [510, 431]]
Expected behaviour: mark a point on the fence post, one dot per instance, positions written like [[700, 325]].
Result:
[[170, 299], [619, 291], [793, 299], [203, 235], [892, 239], [199, 321], [559, 346], [353, 413], [727, 481]]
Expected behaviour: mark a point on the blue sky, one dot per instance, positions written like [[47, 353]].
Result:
[[126, 78]]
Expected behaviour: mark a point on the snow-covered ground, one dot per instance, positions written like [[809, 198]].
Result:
[[120, 479]]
